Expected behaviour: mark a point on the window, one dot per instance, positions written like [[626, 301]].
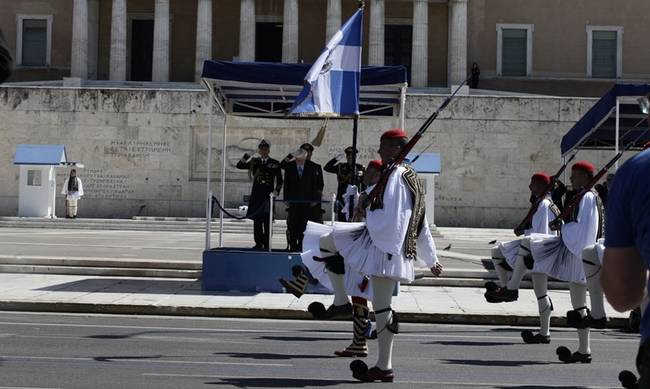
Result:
[[395, 51], [33, 40], [268, 42], [33, 178], [514, 50], [604, 51]]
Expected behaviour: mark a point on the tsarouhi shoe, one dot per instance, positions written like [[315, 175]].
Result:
[[530, 338], [501, 295], [361, 372], [564, 354], [338, 311]]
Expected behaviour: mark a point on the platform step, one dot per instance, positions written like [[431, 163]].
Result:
[[100, 271]]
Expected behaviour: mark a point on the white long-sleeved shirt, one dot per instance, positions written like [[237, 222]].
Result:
[[583, 232]]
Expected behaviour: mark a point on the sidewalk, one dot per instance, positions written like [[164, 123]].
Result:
[[156, 296]]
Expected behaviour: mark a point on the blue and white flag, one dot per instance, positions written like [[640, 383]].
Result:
[[332, 84]]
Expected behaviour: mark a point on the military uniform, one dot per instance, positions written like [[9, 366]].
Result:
[[267, 177], [345, 176]]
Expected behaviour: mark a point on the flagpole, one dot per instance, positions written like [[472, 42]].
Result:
[[355, 131]]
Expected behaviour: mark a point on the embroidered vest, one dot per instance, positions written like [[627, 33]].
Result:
[[416, 222], [601, 215]]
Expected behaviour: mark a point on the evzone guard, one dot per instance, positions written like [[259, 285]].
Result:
[[506, 256], [561, 256], [331, 272], [396, 235]]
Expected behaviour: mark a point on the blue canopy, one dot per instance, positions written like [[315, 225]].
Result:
[[269, 89], [597, 128], [40, 155]]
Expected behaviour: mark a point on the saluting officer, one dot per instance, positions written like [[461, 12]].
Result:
[[344, 175], [267, 177]]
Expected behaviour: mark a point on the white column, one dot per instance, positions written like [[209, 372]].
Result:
[[290, 32], [160, 69], [79, 55], [457, 66], [333, 18], [247, 31], [93, 37], [376, 47], [420, 49], [203, 35], [118, 41]]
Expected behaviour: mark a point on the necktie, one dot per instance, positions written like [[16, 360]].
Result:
[[300, 171]]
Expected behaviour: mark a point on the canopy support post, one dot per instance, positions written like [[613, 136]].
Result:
[[402, 103], [208, 192], [223, 178]]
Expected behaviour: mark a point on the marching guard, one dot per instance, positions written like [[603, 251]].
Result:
[[508, 261], [561, 256]]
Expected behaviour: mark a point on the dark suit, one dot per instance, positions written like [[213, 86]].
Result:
[[6, 62], [267, 177], [303, 192]]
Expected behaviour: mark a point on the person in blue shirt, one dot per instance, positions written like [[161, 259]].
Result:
[[627, 248]]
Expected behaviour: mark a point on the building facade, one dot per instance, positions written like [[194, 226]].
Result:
[[540, 46]]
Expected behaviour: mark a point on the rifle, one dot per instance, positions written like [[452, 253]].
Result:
[[381, 185], [575, 200]]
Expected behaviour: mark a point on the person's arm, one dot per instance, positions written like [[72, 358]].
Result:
[[623, 277], [245, 162], [331, 167], [6, 61]]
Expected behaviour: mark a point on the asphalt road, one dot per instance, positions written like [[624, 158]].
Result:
[[162, 245], [80, 351]]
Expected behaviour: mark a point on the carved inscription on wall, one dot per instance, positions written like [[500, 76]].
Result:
[[240, 141], [136, 149], [101, 184]]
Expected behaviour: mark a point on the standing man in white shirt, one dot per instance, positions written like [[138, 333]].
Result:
[[73, 190]]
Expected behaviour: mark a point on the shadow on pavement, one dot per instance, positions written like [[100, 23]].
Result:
[[542, 387], [276, 382], [269, 356], [140, 285]]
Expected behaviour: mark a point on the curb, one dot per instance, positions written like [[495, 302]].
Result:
[[277, 313]]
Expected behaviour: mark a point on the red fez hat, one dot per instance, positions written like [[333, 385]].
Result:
[[646, 146], [375, 163], [395, 133], [542, 176], [584, 166]]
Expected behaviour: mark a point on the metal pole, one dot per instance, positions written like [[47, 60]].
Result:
[[402, 103], [333, 207], [617, 130], [208, 192], [223, 178], [271, 197]]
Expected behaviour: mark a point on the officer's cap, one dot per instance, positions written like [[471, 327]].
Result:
[[264, 143]]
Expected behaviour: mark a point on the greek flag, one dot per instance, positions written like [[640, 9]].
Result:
[[332, 84]]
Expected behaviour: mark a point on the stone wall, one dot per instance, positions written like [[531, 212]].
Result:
[[145, 150]]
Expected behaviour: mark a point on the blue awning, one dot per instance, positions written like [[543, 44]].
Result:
[[269, 89], [597, 128], [40, 155]]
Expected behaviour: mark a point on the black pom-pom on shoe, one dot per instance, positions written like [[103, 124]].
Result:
[[317, 310], [359, 369], [628, 380]]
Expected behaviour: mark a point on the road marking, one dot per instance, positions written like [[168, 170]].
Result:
[[25, 387], [436, 383], [137, 360]]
